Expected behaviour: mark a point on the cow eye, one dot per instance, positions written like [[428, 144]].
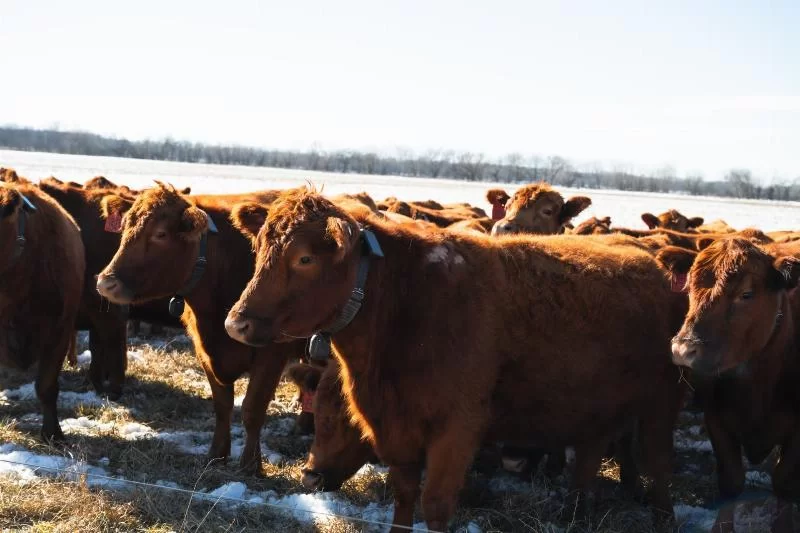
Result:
[[547, 212], [747, 295], [306, 260], [161, 235]]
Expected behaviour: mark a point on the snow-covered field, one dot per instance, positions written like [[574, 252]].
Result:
[[165, 419], [625, 208]]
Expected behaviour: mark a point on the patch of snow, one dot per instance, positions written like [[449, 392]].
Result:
[[84, 359], [757, 477], [683, 443], [87, 426], [693, 519], [755, 515], [275, 459], [136, 356]]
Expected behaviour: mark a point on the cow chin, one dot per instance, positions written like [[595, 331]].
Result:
[[114, 290]]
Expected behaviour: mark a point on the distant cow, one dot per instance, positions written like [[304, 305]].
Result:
[[106, 322], [592, 226], [41, 275], [432, 211], [186, 246], [741, 331], [407, 308], [539, 208], [673, 220]]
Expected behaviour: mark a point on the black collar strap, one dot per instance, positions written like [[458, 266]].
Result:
[[26, 207], [320, 345], [176, 303]]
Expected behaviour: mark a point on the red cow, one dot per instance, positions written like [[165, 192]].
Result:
[[41, 275], [404, 308], [186, 246], [742, 330], [539, 208]]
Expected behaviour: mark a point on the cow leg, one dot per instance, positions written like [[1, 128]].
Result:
[[656, 439], [51, 358], [556, 461], [588, 456], [786, 482], [728, 453], [628, 471], [405, 484], [448, 458], [260, 391], [97, 371], [222, 396]]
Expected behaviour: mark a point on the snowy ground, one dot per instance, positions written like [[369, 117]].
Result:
[[625, 208], [162, 427]]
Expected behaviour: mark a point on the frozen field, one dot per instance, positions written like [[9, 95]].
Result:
[[158, 433], [625, 208]]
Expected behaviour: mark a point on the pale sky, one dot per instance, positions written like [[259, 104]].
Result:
[[701, 86]]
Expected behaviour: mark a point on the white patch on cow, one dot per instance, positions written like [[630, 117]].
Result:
[[438, 254], [458, 259]]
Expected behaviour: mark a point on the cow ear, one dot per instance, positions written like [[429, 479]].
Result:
[[675, 260], [789, 269], [344, 234], [304, 375], [194, 222], [248, 218], [651, 220], [113, 204], [9, 201], [573, 207], [704, 242], [606, 221], [497, 196], [695, 222], [188, 190]]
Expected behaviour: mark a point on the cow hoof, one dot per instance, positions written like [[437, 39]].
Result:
[[250, 467]]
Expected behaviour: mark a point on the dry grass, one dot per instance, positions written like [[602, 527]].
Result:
[[168, 392]]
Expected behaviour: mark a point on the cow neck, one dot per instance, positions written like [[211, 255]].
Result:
[[20, 241], [319, 347], [177, 302]]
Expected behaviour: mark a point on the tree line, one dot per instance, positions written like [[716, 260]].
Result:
[[514, 168]]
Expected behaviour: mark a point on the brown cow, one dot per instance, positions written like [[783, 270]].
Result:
[[440, 215], [429, 308], [593, 226], [539, 208], [672, 220], [106, 322], [160, 255], [481, 225], [742, 330], [41, 273]]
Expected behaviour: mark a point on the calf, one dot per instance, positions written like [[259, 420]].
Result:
[[41, 275], [187, 247], [593, 226], [539, 208], [583, 383], [106, 322], [742, 331], [672, 220]]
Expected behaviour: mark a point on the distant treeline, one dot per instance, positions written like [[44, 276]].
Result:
[[432, 164]]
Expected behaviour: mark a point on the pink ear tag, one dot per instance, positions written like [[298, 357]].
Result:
[[679, 283], [114, 222]]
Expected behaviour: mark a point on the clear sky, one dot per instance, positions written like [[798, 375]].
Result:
[[701, 86]]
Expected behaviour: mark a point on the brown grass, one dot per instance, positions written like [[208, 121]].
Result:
[[167, 391]]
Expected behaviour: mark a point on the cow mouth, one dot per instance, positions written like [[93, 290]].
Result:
[[114, 290], [318, 482]]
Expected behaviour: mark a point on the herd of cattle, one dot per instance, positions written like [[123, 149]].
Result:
[[597, 338]]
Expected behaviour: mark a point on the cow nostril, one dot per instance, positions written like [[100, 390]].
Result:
[[685, 351], [237, 326], [106, 284], [312, 480]]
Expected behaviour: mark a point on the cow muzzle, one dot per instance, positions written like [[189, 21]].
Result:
[[315, 481], [502, 227], [245, 329], [111, 288]]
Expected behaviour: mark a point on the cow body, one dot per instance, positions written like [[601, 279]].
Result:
[[105, 321], [511, 375], [741, 331], [143, 270], [40, 289]]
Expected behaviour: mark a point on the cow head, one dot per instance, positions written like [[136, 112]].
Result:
[[672, 220], [161, 231], [338, 450], [737, 297], [593, 226], [539, 209], [306, 262], [11, 205]]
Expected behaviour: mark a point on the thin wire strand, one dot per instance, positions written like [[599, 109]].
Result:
[[208, 497]]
